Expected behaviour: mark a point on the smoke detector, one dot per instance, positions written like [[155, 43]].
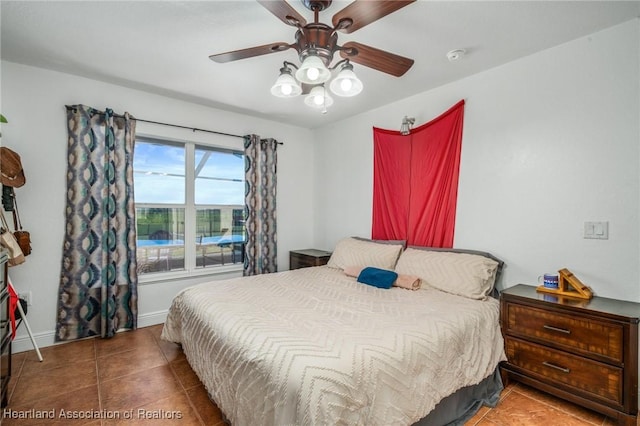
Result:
[[455, 54]]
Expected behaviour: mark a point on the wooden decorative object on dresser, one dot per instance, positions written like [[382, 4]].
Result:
[[5, 331], [308, 257], [584, 351]]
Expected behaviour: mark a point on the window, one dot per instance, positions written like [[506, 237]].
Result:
[[189, 206]]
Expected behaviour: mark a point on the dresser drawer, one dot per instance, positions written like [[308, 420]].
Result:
[[596, 378], [587, 336]]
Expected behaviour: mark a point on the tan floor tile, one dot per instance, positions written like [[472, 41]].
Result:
[[17, 361], [485, 422], [124, 341], [562, 405], [172, 410], [206, 409], [54, 381], [59, 355], [520, 410], [478, 416], [136, 390], [124, 363], [507, 390], [172, 351], [185, 374], [155, 330], [66, 408]]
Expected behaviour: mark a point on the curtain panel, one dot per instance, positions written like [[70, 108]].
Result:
[[260, 205], [98, 282], [415, 184]]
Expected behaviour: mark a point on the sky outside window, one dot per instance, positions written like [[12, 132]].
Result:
[[159, 176]]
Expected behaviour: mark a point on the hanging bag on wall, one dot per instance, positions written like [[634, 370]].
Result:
[[22, 237], [9, 242]]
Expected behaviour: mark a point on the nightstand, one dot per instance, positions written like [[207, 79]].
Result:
[[308, 257], [584, 351]]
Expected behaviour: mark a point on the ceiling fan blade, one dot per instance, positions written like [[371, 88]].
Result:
[[250, 52], [375, 58], [284, 12], [364, 12]]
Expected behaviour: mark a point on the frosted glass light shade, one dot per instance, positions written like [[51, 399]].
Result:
[[346, 83], [286, 86], [318, 98], [313, 71]]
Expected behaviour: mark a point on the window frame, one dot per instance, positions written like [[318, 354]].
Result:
[[190, 233]]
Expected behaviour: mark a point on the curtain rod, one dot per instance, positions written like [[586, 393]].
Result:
[[194, 129]]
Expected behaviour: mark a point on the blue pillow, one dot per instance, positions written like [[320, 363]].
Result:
[[377, 277]]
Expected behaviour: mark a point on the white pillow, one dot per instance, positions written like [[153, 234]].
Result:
[[354, 252], [463, 274]]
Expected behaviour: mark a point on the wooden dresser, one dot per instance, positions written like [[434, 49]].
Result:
[[5, 331], [584, 351], [308, 257]]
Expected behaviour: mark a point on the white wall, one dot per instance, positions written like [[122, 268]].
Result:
[[550, 141], [33, 101]]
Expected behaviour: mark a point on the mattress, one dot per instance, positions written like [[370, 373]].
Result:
[[313, 346]]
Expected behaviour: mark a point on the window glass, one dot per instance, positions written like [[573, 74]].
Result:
[[160, 239], [159, 173], [211, 227], [219, 177], [220, 236]]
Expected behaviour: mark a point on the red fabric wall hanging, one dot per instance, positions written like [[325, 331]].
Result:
[[415, 181]]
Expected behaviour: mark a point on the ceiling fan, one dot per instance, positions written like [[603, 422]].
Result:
[[316, 44]]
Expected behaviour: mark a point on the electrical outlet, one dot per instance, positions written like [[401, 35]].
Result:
[[25, 295]]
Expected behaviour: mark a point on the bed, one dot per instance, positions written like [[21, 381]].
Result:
[[315, 346]]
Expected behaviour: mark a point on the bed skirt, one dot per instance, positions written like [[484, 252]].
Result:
[[459, 407]]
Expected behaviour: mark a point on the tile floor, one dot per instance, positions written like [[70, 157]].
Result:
[[136, 374]]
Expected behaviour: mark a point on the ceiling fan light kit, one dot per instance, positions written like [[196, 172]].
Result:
[[346, 83], [318, 98], [313, 70], [286, 86], [316, 44]]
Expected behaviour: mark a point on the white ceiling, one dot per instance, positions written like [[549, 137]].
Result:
[[164, 46]]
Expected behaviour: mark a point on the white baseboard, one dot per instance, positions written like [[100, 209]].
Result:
[[152, 318], [22, 342]]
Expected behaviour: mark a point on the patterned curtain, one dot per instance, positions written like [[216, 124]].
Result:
[[98, 284], [260, 205]]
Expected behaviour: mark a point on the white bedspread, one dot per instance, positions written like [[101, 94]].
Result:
[[314, 347]]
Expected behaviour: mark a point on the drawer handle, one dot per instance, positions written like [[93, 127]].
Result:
[[559, 330], [563, 369]]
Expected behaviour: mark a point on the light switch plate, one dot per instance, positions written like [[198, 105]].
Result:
[[596, 230]]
